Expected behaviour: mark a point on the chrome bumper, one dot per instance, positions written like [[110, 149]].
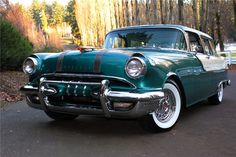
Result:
[[144, 103]]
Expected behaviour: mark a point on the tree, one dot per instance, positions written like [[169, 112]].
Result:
[[218, 24], [166, 11], [137, 20], [203, 14], [180, 11], [96, 17], [14, 47], [154, 3], [194, 7], [71, 19], [234, 7], [57, 13], [161, 11], [44, 21], [35, 10], [147, 11], [171, 11]]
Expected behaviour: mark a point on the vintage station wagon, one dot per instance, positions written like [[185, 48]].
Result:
[[147, 72]]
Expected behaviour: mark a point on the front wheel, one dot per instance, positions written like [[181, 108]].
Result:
[[60, 116], [167, 112]]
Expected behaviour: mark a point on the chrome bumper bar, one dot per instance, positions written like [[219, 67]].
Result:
[[107, 96]]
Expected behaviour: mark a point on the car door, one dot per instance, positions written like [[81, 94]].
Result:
[[217, 65], [201, 75]]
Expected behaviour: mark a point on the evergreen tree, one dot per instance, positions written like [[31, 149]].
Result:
[[71, 19], [57, 13], [35, 10]]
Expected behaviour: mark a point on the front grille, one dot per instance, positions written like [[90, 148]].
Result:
[[114, 81], [80, 90]]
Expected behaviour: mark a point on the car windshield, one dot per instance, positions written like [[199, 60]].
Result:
[[162, 38]]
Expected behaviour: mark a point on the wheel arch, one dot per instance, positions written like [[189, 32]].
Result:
[[177, 80]]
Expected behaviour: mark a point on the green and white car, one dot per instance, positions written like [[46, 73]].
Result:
[[147, 72]]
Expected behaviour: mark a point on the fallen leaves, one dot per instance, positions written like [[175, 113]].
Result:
[[10, 83]]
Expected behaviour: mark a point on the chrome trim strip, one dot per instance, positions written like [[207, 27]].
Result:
[[89, 76], [226, 83], [71, 82], [29, 89], [48, 90], [75, 93]]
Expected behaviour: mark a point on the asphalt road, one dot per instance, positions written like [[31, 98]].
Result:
[[202, 131]]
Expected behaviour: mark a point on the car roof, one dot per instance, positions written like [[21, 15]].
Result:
[[180, 27]]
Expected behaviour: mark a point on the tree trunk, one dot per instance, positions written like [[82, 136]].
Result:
[[154, 11], [127, 13], [180, 10], [166, 11], [207, 16], [123, 13], [202, 16], [147, 10], [194, 7], [211, 17], [171, 11], [161, 11], [137, 20], [234, 5], [132, 12], [116, 14], [219, 31]]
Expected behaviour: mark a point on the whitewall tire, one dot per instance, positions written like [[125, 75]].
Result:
[[168, 110], [218, 97]]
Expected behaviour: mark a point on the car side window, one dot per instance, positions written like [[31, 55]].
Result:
[[194, 42], [213, 47], [207, 46]]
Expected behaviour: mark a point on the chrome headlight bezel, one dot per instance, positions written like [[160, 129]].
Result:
[[34, 65], [142, 71]]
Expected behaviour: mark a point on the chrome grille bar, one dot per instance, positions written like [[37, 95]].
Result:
[[72, 82]]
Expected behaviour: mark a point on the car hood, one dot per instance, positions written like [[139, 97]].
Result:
[[106, 62]]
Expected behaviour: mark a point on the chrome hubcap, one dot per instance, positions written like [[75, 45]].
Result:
[[220, 92], [167, 106]]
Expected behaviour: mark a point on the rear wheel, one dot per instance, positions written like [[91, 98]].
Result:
[[218, 97], [60, 116], [167, 112]]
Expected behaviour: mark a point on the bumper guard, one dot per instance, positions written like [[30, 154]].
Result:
[[143, 101]]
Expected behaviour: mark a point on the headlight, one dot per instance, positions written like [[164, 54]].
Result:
[[30, 65], [135, 68]]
